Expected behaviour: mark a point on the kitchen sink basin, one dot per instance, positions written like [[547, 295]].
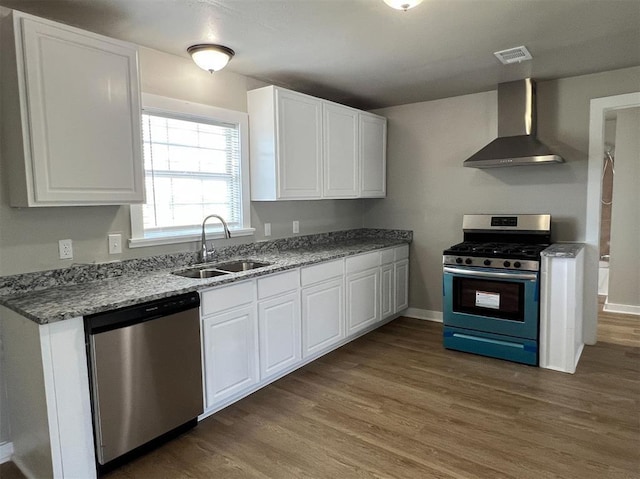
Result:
[[241, 265], [213, 270], [206, 272]]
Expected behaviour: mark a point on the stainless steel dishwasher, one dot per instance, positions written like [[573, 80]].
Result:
[[145, 373]]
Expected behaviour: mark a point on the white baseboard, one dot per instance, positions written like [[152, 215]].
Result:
[[6, 451], [425, 314], [621, 308]]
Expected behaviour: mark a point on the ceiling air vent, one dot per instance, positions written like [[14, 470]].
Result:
[[513, 55]]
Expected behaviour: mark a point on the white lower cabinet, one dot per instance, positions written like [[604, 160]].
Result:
[[279, 323], [322, 316], [387, 293], [401, 281], [256, 331], [322, 306], [230, 342], [362, 288]]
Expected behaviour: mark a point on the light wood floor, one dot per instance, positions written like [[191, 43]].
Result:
[[395, 404]]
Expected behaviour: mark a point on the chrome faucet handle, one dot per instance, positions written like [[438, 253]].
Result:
[[205, 252]]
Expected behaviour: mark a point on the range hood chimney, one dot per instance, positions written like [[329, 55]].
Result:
[[516, 144]]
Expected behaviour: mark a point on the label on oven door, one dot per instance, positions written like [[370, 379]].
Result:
[[487, 300]]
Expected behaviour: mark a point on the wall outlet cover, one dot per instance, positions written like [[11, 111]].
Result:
[[65, 249], [296, 226], [267, 229]]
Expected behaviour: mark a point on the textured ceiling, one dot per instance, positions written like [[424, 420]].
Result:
[[365, 54]]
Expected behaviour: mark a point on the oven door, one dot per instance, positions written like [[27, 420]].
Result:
[[493, 301]]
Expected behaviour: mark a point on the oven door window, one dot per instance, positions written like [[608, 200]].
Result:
[[483, 297]]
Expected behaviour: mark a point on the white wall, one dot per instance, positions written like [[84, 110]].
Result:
[[624, 266], [429, 190]]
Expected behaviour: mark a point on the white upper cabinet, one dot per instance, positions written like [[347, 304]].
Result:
[[285, 144], [305, 148], [71, 116], [373, 156], [340, 152]]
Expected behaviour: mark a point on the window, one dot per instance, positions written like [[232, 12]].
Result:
[[195, 162]]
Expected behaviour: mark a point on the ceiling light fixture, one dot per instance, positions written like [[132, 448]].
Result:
[[402, 4], [210, 57]]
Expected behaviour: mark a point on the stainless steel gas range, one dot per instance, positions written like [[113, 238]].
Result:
[[491, 286]]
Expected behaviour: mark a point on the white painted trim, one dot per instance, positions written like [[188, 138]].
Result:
[[621, 308], [599, 107], [6, 451], [143, 242], [424, 314], [197, 111]]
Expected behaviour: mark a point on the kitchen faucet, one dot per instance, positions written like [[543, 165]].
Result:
[[204, 251]]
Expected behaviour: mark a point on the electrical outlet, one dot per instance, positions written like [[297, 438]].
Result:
[[65, 249], [115, 243], [267, 229], [296, 226]]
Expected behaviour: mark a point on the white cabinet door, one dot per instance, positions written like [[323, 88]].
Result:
[[230, 353], [362, 299], [387, 293], [82, 138], [322, 316], [373, 156], [299, 148], [279, 332], [401, 285], [340, 151]]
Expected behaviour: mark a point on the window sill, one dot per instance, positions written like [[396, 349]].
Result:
[[144, 242]]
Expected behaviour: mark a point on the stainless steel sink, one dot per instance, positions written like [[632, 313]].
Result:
[[241, 265], [213, 270], [201, 272]]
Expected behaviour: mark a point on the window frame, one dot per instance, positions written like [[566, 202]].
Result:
[[186, 110]]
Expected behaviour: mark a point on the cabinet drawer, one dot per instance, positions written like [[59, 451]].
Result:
[[387, 256], [278, 284], [363, 262], [402, 252], [321, 272], [219, 299]]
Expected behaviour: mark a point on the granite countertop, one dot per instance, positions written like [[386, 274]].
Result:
[[563, 250], [70, 294]]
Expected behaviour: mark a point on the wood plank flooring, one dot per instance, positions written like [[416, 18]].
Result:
[[395, 404], [618, 328]]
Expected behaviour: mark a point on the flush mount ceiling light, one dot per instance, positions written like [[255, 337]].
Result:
[[210, 57], [402, 4]]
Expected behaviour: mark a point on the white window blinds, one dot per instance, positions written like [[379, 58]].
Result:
[[192, 169]]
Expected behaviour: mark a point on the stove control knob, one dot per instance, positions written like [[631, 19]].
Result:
[[467, 261], [517, 264], [506, 264], [458, 260], [487, 262]]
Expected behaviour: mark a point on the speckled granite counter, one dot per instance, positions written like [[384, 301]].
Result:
[[563, 250], [62, 294]]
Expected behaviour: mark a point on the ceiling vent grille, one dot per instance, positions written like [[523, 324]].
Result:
[[513, 55]]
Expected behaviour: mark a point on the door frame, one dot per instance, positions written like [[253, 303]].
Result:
[[599, 108]]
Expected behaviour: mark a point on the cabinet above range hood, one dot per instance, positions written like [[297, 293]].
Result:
[[516, 144]]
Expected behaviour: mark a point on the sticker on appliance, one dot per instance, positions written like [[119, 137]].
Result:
[[487, 300]]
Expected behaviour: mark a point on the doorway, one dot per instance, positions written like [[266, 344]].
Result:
[[601, 109]]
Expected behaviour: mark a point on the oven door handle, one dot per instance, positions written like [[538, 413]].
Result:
[[490, 274]]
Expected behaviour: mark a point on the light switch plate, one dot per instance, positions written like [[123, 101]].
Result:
[[115, 243]]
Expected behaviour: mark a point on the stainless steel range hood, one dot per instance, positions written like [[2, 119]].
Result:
[[516, 144]]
